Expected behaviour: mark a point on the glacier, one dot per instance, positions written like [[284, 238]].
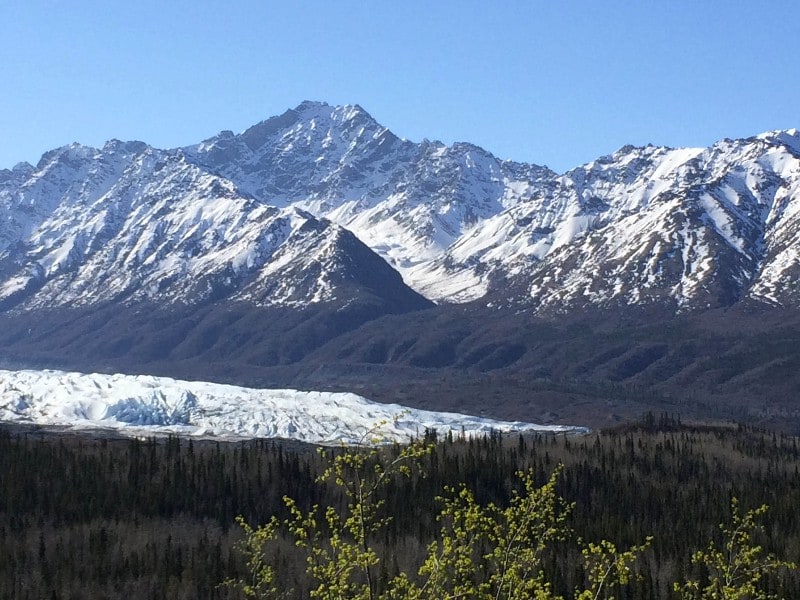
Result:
[[144, 405]]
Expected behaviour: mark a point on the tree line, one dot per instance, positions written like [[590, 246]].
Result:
[[156, 518]]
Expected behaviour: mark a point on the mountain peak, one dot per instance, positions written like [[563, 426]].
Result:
[[306, 114], [129, 147], [344, 114], [71, 151], [786, 137], [307, 105]]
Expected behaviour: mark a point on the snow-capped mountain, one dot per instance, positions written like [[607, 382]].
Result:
[[688, 227], [131, 223], [297, 210], [409, 202], [144, 405], [691, 228]]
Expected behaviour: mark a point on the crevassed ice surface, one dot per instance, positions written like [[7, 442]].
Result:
[[145, 405]]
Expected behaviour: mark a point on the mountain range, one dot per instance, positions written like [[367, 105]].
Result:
[[317, 247]]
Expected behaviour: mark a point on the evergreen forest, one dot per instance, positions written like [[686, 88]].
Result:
[[98, 517]]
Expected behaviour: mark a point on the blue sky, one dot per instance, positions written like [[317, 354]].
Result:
[[555, 83]]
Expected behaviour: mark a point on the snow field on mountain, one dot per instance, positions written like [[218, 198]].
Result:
[[239, 214], [145, 405]]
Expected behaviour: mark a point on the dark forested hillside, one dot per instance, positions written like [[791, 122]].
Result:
[[108, 518]]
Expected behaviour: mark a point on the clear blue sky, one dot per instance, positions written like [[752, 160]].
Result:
[[555, 83]]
